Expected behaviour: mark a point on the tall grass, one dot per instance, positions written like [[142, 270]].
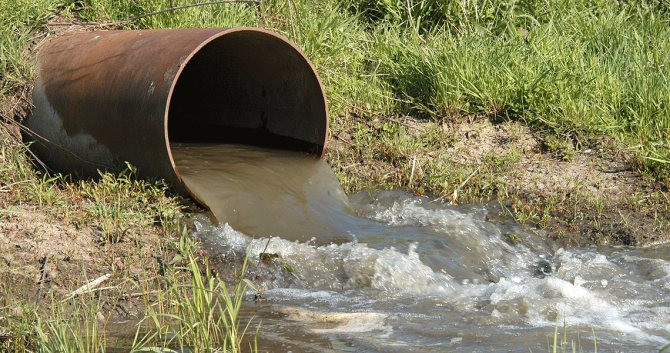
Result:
[[72, 327], [425, 16], [202, 317], [68, 326], [575, 69], [581, 69], [578, 70], [19, 20], [560, 341]]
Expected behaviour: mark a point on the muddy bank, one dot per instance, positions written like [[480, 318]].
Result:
[[583, 194], [57, 235], [593, 197], [43, 258]]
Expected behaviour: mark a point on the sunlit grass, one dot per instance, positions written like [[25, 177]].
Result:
[[71, 327], [560, 343], [577, 69], [573, 70], [201, 317], [19, 20], [117, 203]]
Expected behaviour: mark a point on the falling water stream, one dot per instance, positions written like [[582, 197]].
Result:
[[387, 271]]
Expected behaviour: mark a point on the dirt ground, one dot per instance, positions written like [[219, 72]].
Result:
[[597, 194], [43, 258]]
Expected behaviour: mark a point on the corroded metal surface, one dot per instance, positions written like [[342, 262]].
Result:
[[109, 97]]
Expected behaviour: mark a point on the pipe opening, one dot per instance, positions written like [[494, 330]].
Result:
[[249, 86]]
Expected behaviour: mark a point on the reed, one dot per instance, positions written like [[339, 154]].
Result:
[[72, 327], [202, 317], [560, 344]]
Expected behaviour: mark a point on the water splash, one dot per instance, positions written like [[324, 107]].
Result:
[[389, 271], [492, 288]]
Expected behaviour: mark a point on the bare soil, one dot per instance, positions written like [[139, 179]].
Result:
[[597, 196], [43, 258]]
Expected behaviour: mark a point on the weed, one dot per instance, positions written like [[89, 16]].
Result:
[[67, 327], [559, 148], [511, 238], [71, 328], [560, 343], [199, 317], [571, 69]]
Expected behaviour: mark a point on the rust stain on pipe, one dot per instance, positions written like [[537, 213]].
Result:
[[103, 98]]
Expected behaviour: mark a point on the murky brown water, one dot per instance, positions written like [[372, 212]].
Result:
[[392, 272], [267, 192]]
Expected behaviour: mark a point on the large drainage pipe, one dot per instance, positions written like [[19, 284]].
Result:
[[109, 97]]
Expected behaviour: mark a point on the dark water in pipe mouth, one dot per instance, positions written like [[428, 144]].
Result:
[[387, 271]]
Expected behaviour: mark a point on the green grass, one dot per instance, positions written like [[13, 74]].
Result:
[[577, 70], [119, 203], [202, 317], [116, 205], [559, 343], [19, 21], [70, 328]]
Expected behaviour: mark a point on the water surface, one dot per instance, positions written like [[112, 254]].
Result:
[[391, 272]]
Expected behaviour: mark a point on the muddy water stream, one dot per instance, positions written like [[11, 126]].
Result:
[[267, 192], [391, 272]]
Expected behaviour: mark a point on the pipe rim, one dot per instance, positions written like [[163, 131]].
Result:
[[197, 49]]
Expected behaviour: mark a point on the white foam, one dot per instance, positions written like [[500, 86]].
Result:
[[619, 293], [346, 266]]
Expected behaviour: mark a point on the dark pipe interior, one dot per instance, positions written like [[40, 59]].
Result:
[[249, 87]]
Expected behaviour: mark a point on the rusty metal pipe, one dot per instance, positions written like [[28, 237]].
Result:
[[108, 97]]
